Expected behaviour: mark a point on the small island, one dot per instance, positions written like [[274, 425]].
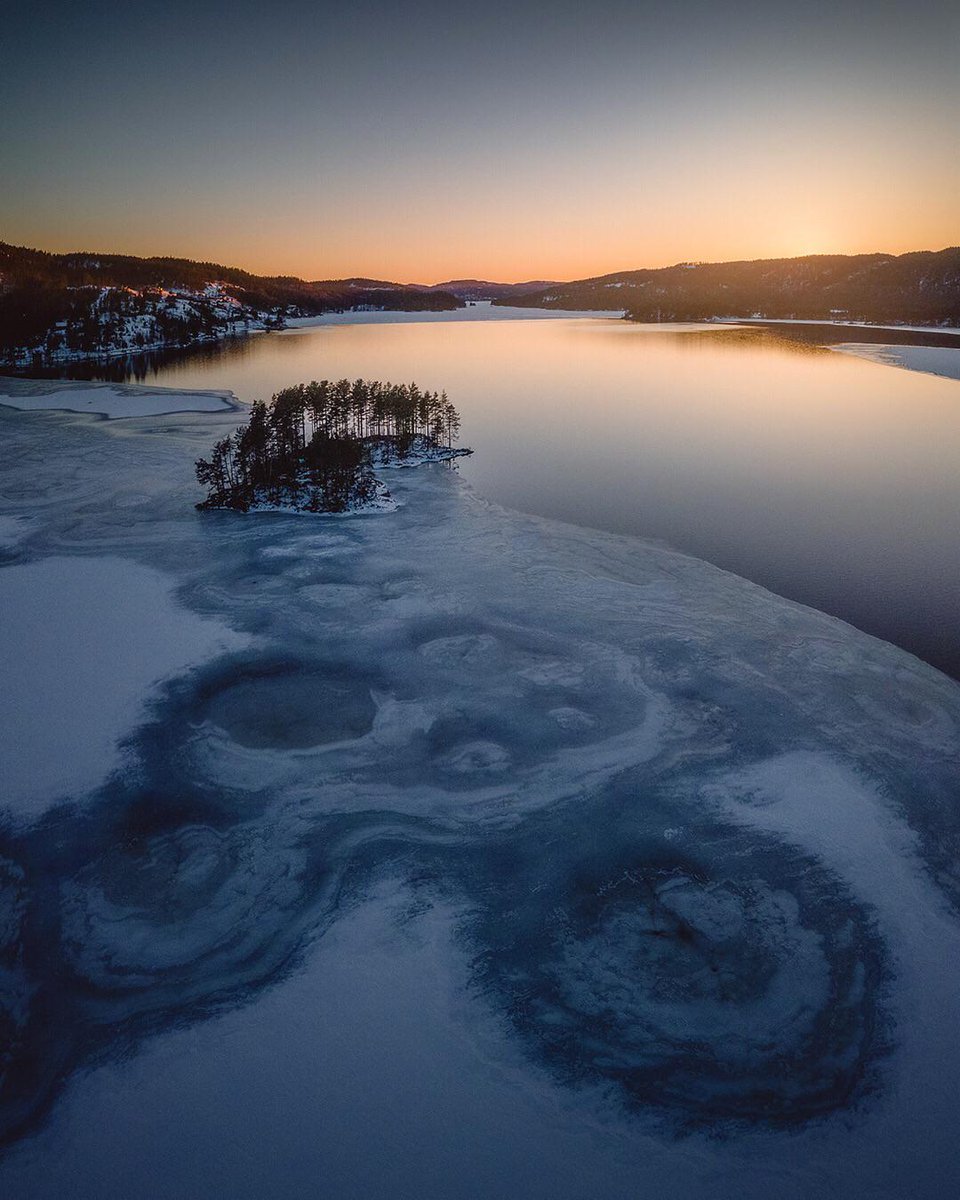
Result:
[[314, 447]]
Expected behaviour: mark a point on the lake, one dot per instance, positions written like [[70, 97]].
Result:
[[828, 479]]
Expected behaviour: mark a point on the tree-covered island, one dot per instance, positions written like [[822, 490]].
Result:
[[314, 447]]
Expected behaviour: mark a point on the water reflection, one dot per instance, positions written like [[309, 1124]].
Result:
[[829, 480]]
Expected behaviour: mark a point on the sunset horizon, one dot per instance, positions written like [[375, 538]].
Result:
[[514, 142], [479, 594]]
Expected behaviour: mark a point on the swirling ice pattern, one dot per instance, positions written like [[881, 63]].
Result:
[[709, 974], [144, 920], [691, 982], [717, 983], [397, 713]]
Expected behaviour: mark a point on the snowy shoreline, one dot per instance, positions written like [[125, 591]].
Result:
[[25, 359], [947, 330], [384, 456]]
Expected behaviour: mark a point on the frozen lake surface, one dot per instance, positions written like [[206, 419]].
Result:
[[828, 479], [455, 852]]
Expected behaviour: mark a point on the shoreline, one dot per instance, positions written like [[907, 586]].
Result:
[[941, 362], [64, 358], [931, 335]]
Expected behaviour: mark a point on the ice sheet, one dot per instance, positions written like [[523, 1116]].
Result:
[[503, 857], [83, 640]]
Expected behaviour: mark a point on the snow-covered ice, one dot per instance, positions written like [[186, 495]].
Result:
[[83, 641], [493, 857], [108, 399], [932, 360], [13, 530]]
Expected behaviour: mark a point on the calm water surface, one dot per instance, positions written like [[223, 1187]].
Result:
[[828, 479]]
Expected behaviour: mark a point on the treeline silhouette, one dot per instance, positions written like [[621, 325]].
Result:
[[921, 287], [313, 447]]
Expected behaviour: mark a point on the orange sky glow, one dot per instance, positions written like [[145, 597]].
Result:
[[520, 142]]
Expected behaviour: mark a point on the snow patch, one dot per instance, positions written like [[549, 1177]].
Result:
[[84, 640]]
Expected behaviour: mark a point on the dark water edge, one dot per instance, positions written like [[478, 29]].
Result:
[[128, 368]]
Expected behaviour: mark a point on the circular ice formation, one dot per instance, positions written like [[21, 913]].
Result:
[[292, 706], [684, 962], [738, 983], [464, 651], [480, 757], [183, 908]]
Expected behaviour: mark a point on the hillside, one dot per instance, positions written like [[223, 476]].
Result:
[[917, 288], [64, 306]]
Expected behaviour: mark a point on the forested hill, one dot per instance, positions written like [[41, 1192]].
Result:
[[56, 306], [21, 267], [917, 288]]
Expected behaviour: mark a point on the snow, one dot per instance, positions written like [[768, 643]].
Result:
[[83, 642], [108, 400], [132, 322], [501, 858], [932, 360], [384, 453], [380, 502]]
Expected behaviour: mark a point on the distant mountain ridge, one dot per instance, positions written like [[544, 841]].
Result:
[[484, 289], [24, 267], [920, 287]]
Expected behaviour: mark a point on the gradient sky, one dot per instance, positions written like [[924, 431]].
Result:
[[423, 141]]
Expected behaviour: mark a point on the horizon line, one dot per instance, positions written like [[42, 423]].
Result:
[[477, 278]]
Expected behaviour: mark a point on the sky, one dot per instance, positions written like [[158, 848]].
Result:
[[423, 141]]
